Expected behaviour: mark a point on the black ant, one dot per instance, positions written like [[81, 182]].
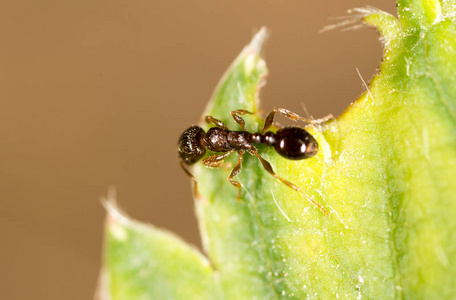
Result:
[[290, 142]]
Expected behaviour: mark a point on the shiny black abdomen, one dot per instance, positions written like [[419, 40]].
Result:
[[295, 143]]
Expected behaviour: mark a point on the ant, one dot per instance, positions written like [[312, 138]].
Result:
[[292, 143]]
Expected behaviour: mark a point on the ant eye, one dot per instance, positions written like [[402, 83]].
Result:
[[295, 143]]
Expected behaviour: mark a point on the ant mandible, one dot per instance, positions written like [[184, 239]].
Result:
[[292, 143]]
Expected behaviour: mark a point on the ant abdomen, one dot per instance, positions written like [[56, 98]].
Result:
[[295, 143], [191, 148]]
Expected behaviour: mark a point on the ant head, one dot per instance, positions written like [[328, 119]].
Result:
[[295, 143], [191, 148]]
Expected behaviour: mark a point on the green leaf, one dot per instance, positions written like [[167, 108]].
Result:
[[143, 262], [384, 172]]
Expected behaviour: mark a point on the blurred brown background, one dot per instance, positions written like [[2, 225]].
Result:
[[96, 93]]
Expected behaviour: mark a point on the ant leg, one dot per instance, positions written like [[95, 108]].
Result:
[[267, 166], [292, 116], [216, 122], [239, 119], [215, 161], [289, 114], [195, 187], [236, 171], [323, 120]]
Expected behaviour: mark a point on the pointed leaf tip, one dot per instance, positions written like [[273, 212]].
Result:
[[257, 43], [144, 262], [241, 82]]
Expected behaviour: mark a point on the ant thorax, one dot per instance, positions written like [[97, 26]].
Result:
[[222, 140]]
